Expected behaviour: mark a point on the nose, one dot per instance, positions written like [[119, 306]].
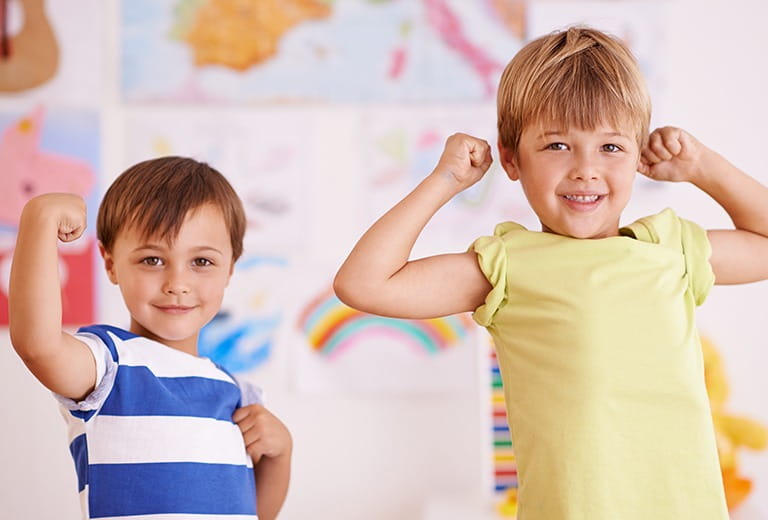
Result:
[[176, 284], [583, 169]]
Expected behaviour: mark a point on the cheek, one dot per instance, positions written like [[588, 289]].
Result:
[[214, 287], [628, 181], [623, 189], [538, 186], [135, 289], [130, 298]]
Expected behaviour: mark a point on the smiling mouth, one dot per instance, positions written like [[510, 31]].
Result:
[[174, 309], [583, 198]]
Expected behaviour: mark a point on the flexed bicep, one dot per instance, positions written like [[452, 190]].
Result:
[[738, 256], [379, 275], [59, 361], [425, 288]]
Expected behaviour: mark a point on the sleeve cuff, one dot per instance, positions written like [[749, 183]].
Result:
[[492, 259], [106, 370]]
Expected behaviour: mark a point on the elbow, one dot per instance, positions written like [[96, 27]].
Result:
[[352, 293], [26, 349], [32, 346], [32, 357], [343, 289], [20, 343]]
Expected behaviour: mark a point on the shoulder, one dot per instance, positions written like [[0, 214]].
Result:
[[107, 335], [680, 237], [652, 228], [667, 228], [506, 228], [503, 233]]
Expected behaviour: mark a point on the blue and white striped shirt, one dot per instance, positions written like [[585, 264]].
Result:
[[156, 436]]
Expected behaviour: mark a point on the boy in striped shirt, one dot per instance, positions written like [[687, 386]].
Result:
[[154, 429]]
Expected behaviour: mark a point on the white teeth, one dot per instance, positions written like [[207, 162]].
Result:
[[582, 198]]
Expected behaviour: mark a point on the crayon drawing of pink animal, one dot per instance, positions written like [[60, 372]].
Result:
[[26, 170]]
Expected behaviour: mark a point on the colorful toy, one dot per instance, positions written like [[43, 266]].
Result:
[[504, 463], [508, 507], [733, 432]]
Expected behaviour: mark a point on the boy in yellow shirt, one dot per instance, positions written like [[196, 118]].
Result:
[[593, 322]]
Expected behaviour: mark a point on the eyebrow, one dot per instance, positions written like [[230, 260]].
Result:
[[615, 134], [155, 247], [550, 133]]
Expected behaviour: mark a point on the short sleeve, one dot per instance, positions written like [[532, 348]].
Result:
[[669, 230], [106, 369], [249, 393], [697, 250], [492, 259]]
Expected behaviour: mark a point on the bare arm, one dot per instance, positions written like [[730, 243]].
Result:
[[270, 445], [58, 360], [377, 276], [738, 255], [272, 478]]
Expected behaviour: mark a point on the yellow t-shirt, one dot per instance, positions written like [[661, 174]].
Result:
[[602, 370]]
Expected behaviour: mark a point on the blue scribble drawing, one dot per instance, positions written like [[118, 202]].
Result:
[[239, 345]]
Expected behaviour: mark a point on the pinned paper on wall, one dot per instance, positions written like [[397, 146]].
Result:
[[50, 151], [353, 50], [400, 151], [263, 155]]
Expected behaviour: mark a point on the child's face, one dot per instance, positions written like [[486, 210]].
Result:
[[576, 181], [172, 291]]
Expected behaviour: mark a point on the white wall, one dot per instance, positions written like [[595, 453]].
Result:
[[381, 458], [718, 79]]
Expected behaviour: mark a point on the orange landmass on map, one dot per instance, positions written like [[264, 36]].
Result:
[[243, 33], [512, 14]]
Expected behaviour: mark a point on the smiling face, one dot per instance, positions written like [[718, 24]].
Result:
[[577, 181], [173, 289]]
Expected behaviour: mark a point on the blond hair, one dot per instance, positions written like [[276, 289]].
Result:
[[156, 196], [579, 77]]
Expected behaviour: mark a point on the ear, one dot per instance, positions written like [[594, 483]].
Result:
[[508, 162], [109, 263]]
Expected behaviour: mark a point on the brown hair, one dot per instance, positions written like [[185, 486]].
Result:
[[157, 194], [580, 77]]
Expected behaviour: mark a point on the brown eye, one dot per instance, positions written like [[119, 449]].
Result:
[[202, 262], [151, 260]]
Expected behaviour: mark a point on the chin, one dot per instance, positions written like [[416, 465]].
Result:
[[175, 336], [583, 231], [570, 233], [166, 335]]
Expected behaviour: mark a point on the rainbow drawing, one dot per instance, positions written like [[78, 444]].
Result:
[[332, 328]]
